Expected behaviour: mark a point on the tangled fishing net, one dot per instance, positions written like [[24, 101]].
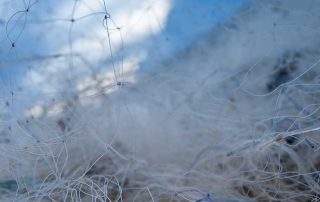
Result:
[[98, 105]]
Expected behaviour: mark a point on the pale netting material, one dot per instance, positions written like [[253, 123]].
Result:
[[233, 117]]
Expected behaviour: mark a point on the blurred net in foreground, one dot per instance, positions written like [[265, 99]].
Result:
[[234, 117]]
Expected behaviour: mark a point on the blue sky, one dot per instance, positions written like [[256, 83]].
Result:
[[190, 20]]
